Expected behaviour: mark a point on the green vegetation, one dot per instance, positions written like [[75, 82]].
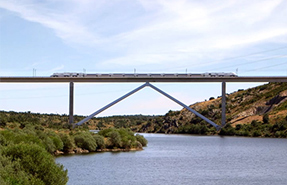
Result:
[[25, 158], [257, 129], [27, 146], [123, 138]]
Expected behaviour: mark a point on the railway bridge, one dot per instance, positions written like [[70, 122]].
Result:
[[148, 80]]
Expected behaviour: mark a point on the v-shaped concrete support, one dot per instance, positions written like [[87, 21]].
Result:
[[158, 90]]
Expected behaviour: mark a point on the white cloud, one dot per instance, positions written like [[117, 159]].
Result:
[[164, 32], [62, 23]]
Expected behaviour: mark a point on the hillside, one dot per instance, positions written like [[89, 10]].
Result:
[[244, 106], [258, 111]]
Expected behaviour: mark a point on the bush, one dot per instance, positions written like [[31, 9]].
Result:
[[37, 163], [49, 144], [100, 140], [17, 136], [121, 138], [227, 130], [3, 122], [86, 141], [255, 123], [105, 132], [238, 127], [265, 118], [56, 140], [68, 143], [2, 140], [115, 139], [256, 133], [11, 172], [141, 139]]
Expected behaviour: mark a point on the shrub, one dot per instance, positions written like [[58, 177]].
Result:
[[265, 118], [57, 142], [3, 122], [227, 130], [17, 136], [141, 139], [238, 127], [100, 141], [115, 139], [255, 123], [86, 141], [2, 140], [37, 163], [256, 133], [105, 132], [11, 172], [68, 143], [49, 144]]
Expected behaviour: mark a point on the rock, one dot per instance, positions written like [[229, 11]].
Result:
[[71, 152], [78, 150], [85, 151], [58, 152]]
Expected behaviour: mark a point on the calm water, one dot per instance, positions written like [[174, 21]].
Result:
[[182, 159]]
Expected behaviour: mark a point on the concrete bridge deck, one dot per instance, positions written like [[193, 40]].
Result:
[[140, 79]]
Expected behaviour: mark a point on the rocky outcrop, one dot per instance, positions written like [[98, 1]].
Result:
[[242, 107]]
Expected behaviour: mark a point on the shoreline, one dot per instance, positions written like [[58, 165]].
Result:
[[82, 151]]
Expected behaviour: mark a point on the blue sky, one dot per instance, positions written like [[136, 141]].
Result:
[[147, 35]]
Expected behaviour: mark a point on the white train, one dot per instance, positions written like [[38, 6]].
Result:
[[144, 75], [66, 74]]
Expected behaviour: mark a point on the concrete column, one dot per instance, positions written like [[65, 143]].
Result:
[[71, 103], [223, 104]]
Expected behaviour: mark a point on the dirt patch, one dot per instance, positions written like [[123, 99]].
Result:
[[245, 120]]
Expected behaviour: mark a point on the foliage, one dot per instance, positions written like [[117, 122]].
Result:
[[122, 138], [85, 140], [26, 145], [24, 159], [37, 163], [227, 130], [100, 141], [68, 143], [141, 139], [115, 139], [266, 118]]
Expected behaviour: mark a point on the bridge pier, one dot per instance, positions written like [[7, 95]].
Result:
[[223, 104], [71, 103]]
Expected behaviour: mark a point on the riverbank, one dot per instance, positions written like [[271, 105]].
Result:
[[82, 151]]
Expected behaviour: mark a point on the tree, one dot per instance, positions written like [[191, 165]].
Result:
[[37, 163], [115, 139], [100, 141], [141, 139], [86, 141], [68, 143], [266, 118], [3, 122]]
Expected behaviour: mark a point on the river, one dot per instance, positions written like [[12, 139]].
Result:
[[184, 159]]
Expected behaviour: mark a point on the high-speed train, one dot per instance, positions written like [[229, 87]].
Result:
[[143, 75]]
